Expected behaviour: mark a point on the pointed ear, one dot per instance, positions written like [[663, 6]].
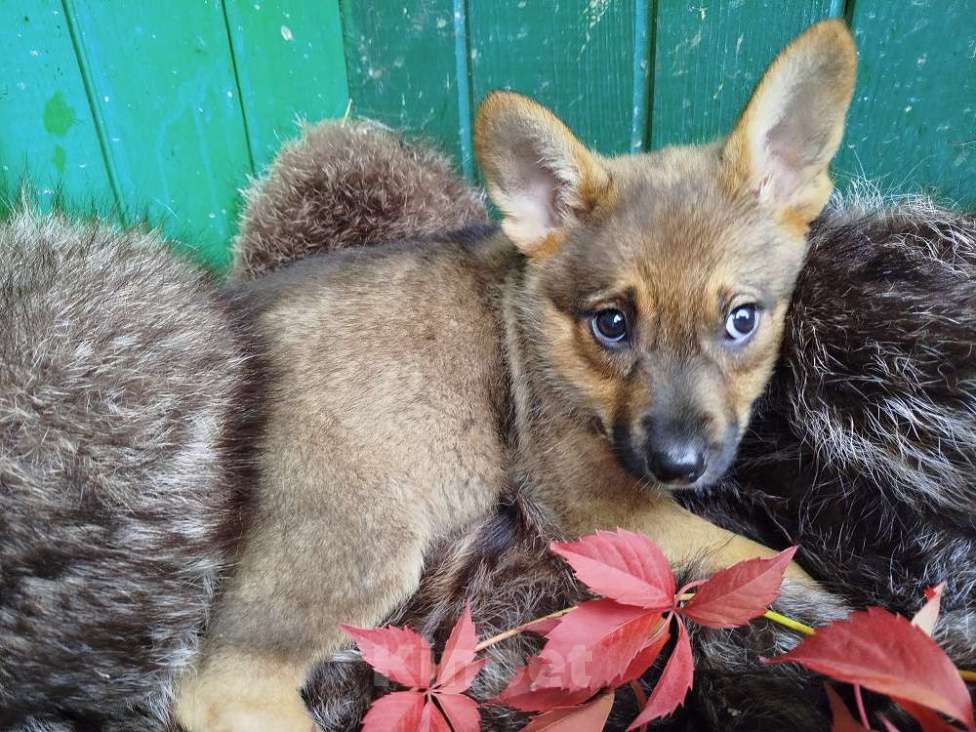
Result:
[[537, 173], [793, 124]]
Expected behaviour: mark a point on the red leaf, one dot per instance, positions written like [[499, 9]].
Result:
[[400, 711], [644, 659], [431, 720], [623, 566], [843, 721], [458, 666], [884, 652], [928, 720], [399, 654], [671, 689], [587, 718], [926, 617], [591, 645], [461, 711], [736, 595], [525, 693]]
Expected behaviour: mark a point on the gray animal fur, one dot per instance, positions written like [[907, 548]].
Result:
[[118, 380]]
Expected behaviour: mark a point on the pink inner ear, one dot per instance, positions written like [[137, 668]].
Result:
[[797, 147], [534, 199]]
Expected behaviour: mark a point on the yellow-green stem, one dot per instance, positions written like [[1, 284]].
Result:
[[788, 622]]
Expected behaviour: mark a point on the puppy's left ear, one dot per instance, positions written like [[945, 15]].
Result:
[[794, 122]]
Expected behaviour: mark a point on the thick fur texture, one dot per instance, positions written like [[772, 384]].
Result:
[[861, 452], [863, 449], [118, 378], [504, 568], [348, 184]]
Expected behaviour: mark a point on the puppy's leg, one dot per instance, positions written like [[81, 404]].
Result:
[[265, 694], [683, 537]]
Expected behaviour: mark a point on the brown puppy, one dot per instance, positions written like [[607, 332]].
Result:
[[606, 346]]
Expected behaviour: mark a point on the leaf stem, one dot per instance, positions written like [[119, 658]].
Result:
[[860, 707], [488, 642], [787, 622]]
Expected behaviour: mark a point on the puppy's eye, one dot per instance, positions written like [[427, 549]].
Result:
[[741, 323], [609, 328]]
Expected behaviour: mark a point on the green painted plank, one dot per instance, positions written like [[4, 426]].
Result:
[[709, 56], [403, 67], [913, 121], [289, 61], [164, 91], [47, 135], [574, 56]]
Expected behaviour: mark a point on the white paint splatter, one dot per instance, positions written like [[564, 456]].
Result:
[[594, 12]]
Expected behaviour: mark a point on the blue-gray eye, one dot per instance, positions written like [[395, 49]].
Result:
[[741, 323], [609, 327]]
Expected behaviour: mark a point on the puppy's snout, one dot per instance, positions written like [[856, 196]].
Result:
[[673, 456]]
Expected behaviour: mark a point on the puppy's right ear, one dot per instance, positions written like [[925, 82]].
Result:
[[537, 173]]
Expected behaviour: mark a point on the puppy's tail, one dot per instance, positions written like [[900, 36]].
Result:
[[344, 184]]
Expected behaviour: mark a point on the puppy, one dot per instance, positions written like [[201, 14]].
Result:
[[601, 350]]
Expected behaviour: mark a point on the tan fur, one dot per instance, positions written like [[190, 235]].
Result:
[[413, 383]]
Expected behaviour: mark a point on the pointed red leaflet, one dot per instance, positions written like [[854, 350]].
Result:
[[399, 654], [884, 652], [671, 689], [644, 659], [622, 566], [431, 720], [590, 646], [736, 595], [928, 720], [525, 692], [458, 666], [586, 718], [842, 719], [461, 711], [927, 616], [400, 711]]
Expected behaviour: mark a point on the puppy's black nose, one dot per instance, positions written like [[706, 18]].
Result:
[[677, 462]]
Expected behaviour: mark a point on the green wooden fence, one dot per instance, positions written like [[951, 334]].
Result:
[[161, 109]]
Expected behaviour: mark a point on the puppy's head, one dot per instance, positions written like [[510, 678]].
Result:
[[656, 285]]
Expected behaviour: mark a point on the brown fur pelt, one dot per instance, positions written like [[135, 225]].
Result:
[[345, 184], [119, 376]]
